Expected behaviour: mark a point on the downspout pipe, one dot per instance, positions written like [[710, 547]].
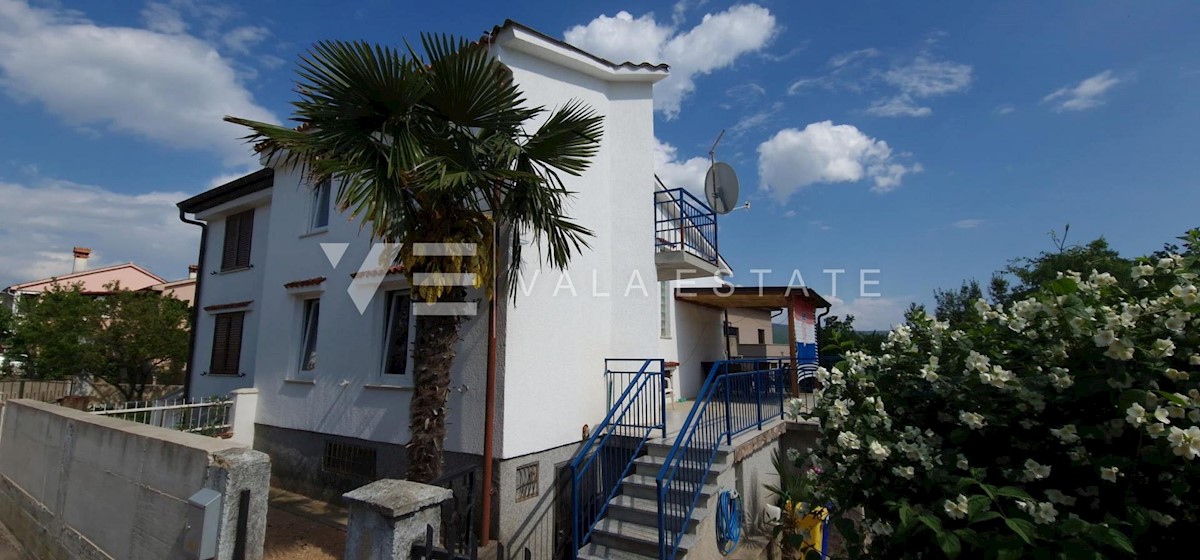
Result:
[[187, 380]]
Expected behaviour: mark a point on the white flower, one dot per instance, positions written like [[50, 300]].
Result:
[[1194, 415], [1176, 375], [1185, 443], [1060, 498], [904, 472], [929, 371], [1165, 263], [1104, 338], [1142, 270], [1176, 322], [840, 409], [1109, 473], [1135, 414], [878, 451], [881, 528], [978, 362], [1035, 471], [1162, 415], [1161, 518], [962, 462], [1067, 434], [1194, 359], [1156, 430], [971, 419], [982, 307], [793, 454], [1120, 350], [1162, 348], [848, 440], [957, 509], [1044, 513]]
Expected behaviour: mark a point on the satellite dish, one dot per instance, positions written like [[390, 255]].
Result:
[[721, 188]]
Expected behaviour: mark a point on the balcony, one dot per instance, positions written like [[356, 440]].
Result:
[[685, 233]]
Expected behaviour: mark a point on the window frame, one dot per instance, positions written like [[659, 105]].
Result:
[[404, 377], [320, 205], [310, 331], [228, 318], [665, 326], [762, 336], [239, 241]]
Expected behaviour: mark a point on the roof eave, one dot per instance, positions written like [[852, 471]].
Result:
[[525, 39]]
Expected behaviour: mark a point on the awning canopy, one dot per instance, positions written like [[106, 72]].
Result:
[[749, 297]]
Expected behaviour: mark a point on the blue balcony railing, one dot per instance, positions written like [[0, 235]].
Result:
[[606, 458], [738, 395], [683, 222]]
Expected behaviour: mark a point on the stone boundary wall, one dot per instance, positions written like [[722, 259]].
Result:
[[78, 485]]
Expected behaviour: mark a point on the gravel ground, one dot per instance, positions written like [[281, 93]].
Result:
[[291, 537]]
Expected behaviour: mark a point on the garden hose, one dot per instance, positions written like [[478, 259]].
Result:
[[729, 521]]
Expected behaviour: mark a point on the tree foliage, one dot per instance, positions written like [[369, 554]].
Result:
[[1064, 424], [126, 338], [435, 147]]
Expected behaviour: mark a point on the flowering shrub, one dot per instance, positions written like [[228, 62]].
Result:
[[1066, 424]]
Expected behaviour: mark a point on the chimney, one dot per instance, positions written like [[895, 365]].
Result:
[[193, 271], [81, 259]]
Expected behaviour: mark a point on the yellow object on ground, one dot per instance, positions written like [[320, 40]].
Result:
[[810, 523]]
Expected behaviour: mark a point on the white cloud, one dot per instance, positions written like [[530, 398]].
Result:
[[909, 80], [900, 106], [1085, 95], [871, 313], [716, 42], [969, 223], [925, 77], [827, 153], [789, 214], [40, 224], [163, 18], [1004, 109], [168, 88], [241, 39], [676, 174]]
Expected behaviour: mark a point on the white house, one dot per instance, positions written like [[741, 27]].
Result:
[[275, 312]]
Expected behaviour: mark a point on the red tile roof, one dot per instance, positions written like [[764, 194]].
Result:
[[394, 269], [304, 283]]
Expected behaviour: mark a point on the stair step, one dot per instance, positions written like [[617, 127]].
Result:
[[661, 448], [600, 552], [650, 466], [645, 511], [633, 537], [645, 487]]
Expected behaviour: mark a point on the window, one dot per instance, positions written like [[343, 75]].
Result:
[[730, 330], [320, 206], [239, 230], [664, 310], [308, 336], [227, 344], [762, 336], [399, 334]]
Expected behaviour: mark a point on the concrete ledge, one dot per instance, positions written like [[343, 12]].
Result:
[[397, 498]]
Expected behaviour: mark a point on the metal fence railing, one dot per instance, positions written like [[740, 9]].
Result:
[[208, 416], [737, 396], [607, 457], [683, 223]]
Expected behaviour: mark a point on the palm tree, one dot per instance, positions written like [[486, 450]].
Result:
[[434, 148]]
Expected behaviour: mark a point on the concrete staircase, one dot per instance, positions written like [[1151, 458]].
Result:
[[629, 531]]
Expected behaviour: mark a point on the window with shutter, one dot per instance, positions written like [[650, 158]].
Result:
[[239, 233], [399, 332], [227, 344]]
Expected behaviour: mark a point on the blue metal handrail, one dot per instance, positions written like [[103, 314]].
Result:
[[684, 223], [738, 395], [607, 457]]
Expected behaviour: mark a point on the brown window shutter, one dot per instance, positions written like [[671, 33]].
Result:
[[229, 253], [245, 236], [227, 344]]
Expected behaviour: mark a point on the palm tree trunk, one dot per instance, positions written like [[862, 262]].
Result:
[[433, 356]]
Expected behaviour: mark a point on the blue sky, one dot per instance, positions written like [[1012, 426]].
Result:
[[932, 142]]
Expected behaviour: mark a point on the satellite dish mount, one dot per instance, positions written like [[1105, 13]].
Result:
[[721, 182]]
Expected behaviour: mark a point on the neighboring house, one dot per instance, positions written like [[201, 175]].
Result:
[[98, 281], [275, 309], [750, 333]]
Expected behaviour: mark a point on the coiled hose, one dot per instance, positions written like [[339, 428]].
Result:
[[729, 521]]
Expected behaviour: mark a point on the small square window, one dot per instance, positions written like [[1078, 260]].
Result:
[[399, 332]]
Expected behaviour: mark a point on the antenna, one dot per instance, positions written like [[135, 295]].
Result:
[[712, 152]]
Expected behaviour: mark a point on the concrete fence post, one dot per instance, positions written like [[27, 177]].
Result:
[[242, 415], [388, 516]]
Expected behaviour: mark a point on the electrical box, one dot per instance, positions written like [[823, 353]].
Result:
[[203, 518]]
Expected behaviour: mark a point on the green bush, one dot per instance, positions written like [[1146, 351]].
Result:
[[1064, 425]]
